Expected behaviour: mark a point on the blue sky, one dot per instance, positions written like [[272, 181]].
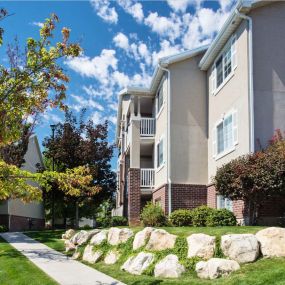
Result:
[[122, 41]]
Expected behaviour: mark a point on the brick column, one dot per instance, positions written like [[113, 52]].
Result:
[[134, 196]]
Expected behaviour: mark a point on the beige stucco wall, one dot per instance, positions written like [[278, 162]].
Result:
[[269, 70], [161, 131], [233, 95], [188, 122]]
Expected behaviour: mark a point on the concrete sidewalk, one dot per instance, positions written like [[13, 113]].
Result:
[[57, 265]]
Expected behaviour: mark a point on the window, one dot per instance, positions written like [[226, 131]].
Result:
[[224, 203], [159, 153], [225, 134], [224, 65], [159, 100]]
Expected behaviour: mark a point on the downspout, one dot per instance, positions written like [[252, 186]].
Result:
[[250, 71], [168, 138]]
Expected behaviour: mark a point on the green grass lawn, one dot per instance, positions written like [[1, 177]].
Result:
[[16, 269], [264, 271]]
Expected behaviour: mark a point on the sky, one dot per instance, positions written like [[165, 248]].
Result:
[[122, 41]]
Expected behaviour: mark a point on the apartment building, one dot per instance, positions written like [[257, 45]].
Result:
[[204, 108]]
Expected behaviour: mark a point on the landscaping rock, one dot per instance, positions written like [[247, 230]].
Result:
[[91, 256], [242, 248], [112, 257], [216, 267], [76, 255], [141, 237], [84, 238], [201, 245], [169, 267], [69, 246], [117, 236], [160, 240], [137, 264], [68, 234], [272, 242], [77, 237], [99, 237]]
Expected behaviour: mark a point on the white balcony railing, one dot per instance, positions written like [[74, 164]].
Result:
[[147, 177], [147, 127]]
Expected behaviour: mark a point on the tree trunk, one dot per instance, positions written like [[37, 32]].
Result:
[[76, 215], [53, 209]]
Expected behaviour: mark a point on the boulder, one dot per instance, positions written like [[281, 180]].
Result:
[[201, 245], [112, 257], [272, 242], [216, 267], [76, 255], [141, 237], [91, 256], [99, 237], [242, 248], [69, 246], [138, 264], [169, 267], [77, 237], [117, 236], [84, 238], [68, 234], [160, 240]]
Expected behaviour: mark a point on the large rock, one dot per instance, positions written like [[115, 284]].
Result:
[[99, 237], [240, 247], [201, 245], [69, 246], [160, 240], [141, 237], [91, 256], [138, 264], [68, 234], [169, 267], [112, 257], [117, 236], [216, 267], [78, 236], [272, 242], [87, 236]]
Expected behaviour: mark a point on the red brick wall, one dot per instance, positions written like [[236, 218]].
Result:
[[134, 196], [184, 196], [211, 196]]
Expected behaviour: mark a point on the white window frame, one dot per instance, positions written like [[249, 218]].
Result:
[[234, 134], [224, 203], [158, 167], [231, 44], [159, 91]]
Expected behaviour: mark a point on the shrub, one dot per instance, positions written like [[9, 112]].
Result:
[[200, 215], [181, 217], [3, 229], [152, 215], [119, 221], [103, 222], [221, 217]]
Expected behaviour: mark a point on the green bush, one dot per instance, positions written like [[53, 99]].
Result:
[[3, 229], [200, 216], [152, 215], [181, 218], [103, 222], [221, 217], [119, 221]]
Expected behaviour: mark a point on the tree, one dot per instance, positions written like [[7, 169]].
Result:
[[255, 177], [77, 143]]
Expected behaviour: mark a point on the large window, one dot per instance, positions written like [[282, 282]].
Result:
[[225, 134], [224, 65], [159, 153], [224, 203], [159, 99]]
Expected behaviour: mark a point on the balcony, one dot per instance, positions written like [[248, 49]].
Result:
[[147, 127], [147, 177]]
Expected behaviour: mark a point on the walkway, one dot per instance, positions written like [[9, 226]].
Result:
[[58, 266]]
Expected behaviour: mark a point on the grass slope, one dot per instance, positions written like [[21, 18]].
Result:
[[16, 269], [264, 271]]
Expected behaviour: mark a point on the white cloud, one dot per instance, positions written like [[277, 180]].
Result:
[[103, 10], [81, 102], [121, 41], [134, 9], [38, 24], [98, 67], [96, 117], [181, 5]]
